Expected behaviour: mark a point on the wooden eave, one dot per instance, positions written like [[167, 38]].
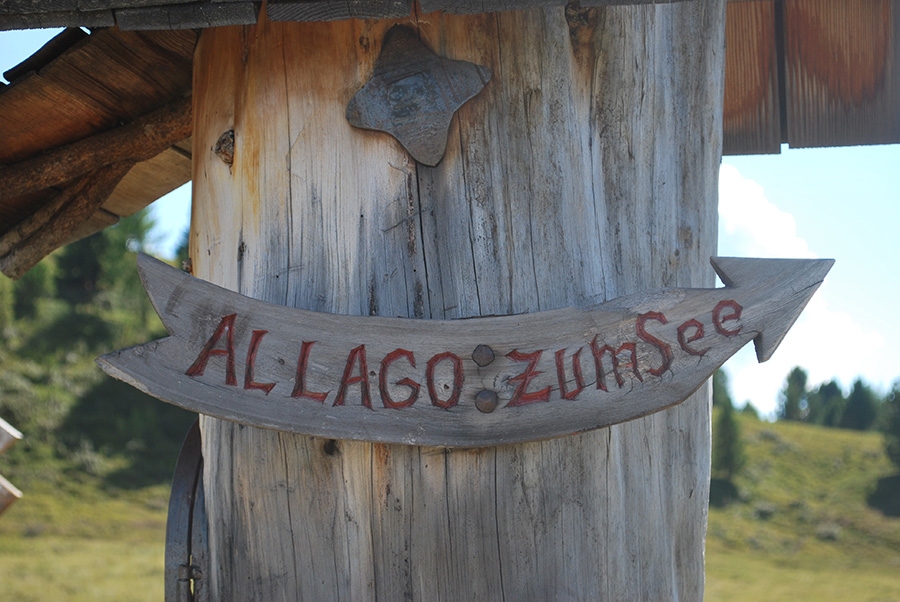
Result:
[[75, 156], [806, 73]]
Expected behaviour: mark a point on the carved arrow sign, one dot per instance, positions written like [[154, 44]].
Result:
[[474, 382]]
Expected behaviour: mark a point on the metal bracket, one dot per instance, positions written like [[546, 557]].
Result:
[[187, 542]]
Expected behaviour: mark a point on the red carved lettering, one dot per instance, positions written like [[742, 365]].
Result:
[[665, 350], [719, 319], [225, 327], [249, 382], [300, 378], [357, 354], [458, 377], [521, 396], [576, 372], [698, 333], [599, 352], [406, 382]]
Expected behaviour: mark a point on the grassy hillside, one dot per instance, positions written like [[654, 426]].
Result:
[[817, 517], [802, 527]]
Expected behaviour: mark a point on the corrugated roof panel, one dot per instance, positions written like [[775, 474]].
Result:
[[842, 65], [751, 114]]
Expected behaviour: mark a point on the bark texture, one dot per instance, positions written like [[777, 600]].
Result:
[[585, 170]]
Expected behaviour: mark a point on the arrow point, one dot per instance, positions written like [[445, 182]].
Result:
[[790, 283]]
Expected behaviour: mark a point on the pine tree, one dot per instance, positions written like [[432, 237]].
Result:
[[793, 396], [826, 404], [862, 408], [891, 424], [728, 449]]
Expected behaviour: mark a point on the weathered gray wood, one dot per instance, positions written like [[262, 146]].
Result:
[[330, 10], [8, 494], [43, 20], [413, 94], [187, 16], [179, 566], [586, 170], [9, 435], [397, 380]]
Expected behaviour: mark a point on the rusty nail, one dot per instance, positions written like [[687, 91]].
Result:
[[483, 355], [486, 401]]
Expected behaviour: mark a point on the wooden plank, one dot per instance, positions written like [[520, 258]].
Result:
[[187, 16], [108, 78], [9, 435], [179, 521], [142, 139], [331, 10], [129, 73], [148, 181], [8, 494], [552, 373], [842, 63], [752, 109]]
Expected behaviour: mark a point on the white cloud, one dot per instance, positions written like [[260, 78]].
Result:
[[828, 344], [752, 223]]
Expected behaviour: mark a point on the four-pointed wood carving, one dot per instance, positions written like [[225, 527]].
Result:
[[475, 382], [413, 95]]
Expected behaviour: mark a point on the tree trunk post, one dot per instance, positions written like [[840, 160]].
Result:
[[585, 170]]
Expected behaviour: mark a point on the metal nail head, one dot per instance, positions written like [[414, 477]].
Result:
[[486, 401], [483, 355]]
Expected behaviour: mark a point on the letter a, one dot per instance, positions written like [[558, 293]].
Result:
[[226, 327]]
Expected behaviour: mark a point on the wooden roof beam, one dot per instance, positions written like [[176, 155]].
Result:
[[47, 230], [142, 139]]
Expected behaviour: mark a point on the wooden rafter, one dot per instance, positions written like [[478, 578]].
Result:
[[44, 232], [142, 139]]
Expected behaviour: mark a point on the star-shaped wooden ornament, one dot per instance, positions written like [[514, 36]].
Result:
[[413, 94]]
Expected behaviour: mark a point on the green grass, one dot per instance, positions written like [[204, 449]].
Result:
[[803, 528], [80, 542]]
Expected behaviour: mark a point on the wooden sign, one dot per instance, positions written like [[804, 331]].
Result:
[[8, 492], [473, 382]]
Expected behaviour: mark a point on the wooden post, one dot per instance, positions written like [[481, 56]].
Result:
[[585, 170]]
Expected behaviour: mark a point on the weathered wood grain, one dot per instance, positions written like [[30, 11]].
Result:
[[330, 10], [586, 170], [187, 16], [142, 139], [8, 494], [9, 435], [48, 230], [413, 94], [554, 372]]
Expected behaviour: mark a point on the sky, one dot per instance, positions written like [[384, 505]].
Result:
[[839, 203]]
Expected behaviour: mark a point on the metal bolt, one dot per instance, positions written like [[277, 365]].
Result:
[[483, 355], [486, 401]]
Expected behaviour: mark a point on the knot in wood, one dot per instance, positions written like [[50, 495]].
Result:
[[224, 147]]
